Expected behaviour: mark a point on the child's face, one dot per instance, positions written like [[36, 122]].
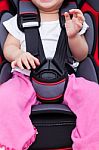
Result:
[[48, 5]]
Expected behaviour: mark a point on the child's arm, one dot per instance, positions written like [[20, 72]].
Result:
[[77, 42], [13, 53]]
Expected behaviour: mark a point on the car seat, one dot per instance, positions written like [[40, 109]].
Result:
[[54, 122], [92, 8]]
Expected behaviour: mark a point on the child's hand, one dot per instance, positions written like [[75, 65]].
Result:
[[73, 25], [25, 61]]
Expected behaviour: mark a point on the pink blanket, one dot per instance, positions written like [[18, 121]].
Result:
[[82, 96], [16, 98]]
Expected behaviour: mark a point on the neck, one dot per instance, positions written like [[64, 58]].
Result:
[[49, 16]]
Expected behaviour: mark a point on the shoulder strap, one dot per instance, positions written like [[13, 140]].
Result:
[[62, 52], [60, 56], [29, 23], [67, 56]]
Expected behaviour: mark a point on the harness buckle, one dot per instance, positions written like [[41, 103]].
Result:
[[29, 20]]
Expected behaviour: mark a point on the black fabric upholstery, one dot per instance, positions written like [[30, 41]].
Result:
[[52, 121], [88, 70]]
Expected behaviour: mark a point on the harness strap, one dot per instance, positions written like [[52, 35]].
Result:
[[31, 36], [61, 50], [29, 22]]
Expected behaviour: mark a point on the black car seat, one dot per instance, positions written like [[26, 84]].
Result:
[[54, 122]]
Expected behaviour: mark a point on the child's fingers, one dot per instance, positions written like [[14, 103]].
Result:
[[67, 16], [26, 63], [19, 64], [72, 12], [33, 61], [81, 18], [79, 25], [75, 11], [37, 62], [16, 64]]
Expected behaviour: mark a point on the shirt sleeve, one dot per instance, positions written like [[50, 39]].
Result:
[[84, 28], [12, 28]]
